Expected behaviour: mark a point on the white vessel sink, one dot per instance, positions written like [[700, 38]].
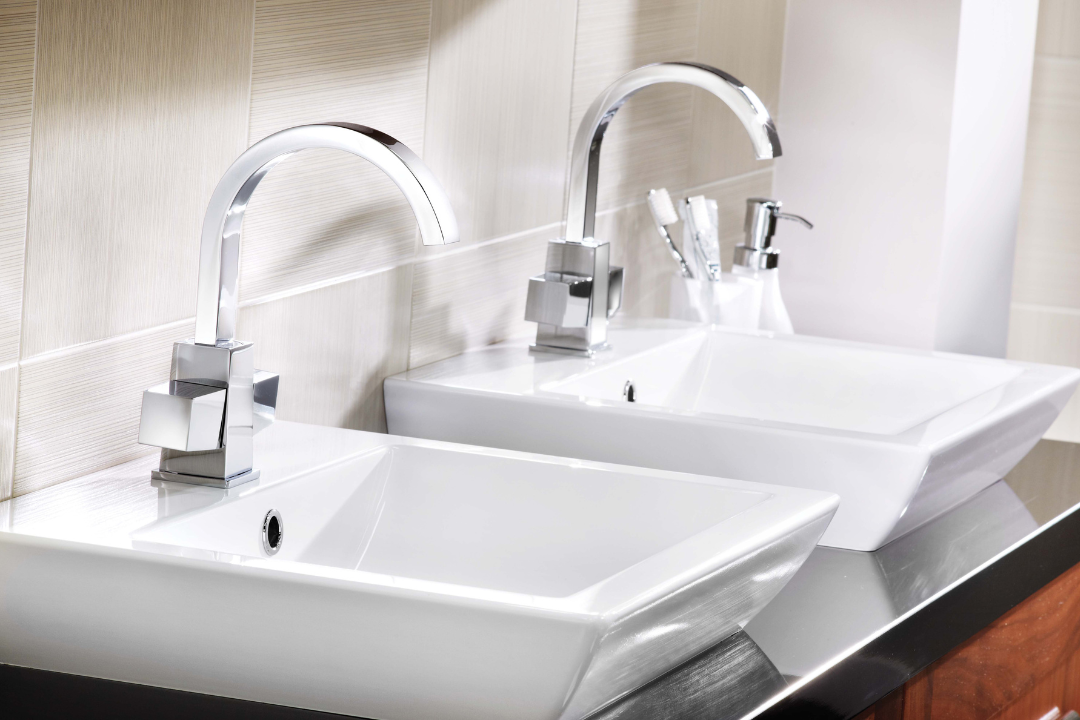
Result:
[[414, 579], [901, 435]]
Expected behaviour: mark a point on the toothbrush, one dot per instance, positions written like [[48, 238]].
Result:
[[663, 213], [706, 239]]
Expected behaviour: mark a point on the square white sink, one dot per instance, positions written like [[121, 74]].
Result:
[[901, 435], [412, 579]]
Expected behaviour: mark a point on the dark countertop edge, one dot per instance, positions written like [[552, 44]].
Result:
[[48, 695], [932, 630]]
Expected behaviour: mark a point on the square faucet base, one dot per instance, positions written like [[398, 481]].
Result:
[[223, 483], [537, 347]]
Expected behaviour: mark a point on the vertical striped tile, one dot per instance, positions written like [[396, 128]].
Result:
[[332, 347], [1059, 28], [79, 408], [138, 110], [1047, 268], [322, 213], [18, 22], [649, 143], [745, 39], [1046, 335], [475, 296], [497, 115], [9, 390]]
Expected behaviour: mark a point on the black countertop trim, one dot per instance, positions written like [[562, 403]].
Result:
[[27, 694], [888, 661]]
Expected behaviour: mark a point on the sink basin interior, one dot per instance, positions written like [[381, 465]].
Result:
[[815, 384], [463, 518]]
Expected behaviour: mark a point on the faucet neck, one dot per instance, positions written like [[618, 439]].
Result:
[[219, 253], [585, 160]]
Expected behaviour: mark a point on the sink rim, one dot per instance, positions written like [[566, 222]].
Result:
[[782, 512], [1035, 382]]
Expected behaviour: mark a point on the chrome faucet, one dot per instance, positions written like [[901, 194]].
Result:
[[580, 290], [204, 418]]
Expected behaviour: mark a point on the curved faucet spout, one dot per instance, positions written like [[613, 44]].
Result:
[[219, 254], [585, 161]]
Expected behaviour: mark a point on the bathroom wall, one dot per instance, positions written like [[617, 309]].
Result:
[[1044, 323], [117, 117]]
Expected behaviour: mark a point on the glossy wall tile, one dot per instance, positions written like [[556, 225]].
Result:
[[137, 108], [323, 214], [17, 25], [497, 116], [1044, 324]]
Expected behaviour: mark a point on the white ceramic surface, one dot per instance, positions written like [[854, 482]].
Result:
[[901, 435], [416, 579]]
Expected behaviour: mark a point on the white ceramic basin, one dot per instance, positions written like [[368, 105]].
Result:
[[415, 579], [901, 435]]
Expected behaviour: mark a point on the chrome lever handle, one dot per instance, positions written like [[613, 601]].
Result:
[[561, 299], [182, 416], [797, 218]]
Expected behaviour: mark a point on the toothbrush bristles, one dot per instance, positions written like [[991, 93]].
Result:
[[699, 211], [663, 210]]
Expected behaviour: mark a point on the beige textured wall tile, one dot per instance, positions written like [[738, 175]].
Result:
[[745, 39], [650, 270], [498, 101], [139, 108], [648, 144], [17, 30], [1059, 28], [475, 296], [1048, 336], [9, 391], [1047, 269], [333, 347], [322, 214], [79, 408]]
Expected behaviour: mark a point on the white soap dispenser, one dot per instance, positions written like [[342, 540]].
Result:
[[756, 258]]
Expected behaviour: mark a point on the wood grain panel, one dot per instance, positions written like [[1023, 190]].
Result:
[[498, 102], [649, 143], [745, 39], [1009, 657], [79, 407], [138, 109], [1059, 28], [1041, 702], [18, 23], [1049, 335], [1048, 238], [474, 296], [334, 346], [9, 391], [323, 214]]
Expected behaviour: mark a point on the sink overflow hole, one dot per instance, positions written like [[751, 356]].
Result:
[[628, 391], [273, 532]]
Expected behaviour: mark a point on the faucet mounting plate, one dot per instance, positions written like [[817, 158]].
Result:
[[223, 483]]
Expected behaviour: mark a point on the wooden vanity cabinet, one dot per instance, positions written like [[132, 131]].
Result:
[[1021, 667]]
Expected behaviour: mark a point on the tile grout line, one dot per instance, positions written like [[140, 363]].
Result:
[[1051, 309], [79, 347], [341, 279]]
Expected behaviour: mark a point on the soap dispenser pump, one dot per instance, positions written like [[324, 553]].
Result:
[[757, 258]]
